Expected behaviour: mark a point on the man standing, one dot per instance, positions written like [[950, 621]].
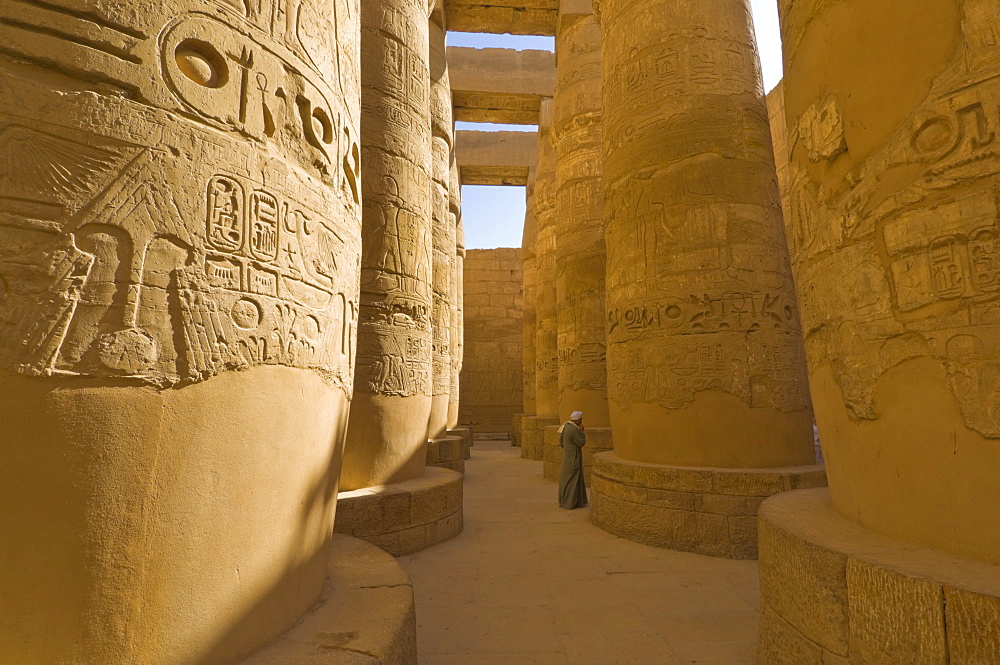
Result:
[[572, 438]]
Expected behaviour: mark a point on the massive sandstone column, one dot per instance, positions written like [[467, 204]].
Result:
[[179, 236], [894, 174], [579, 220], [443, 230], [705, 358], [546, 332], [392, 398], [579, 237], [528, 317], [457, 315]]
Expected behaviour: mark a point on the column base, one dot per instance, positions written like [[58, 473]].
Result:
[[406, 517], [446, 452], [835, 592], [465, 434], [598, 441], [704, 510], [366, 614], [515, 429], [532, 436]]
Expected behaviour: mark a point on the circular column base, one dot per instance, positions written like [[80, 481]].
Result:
[[405, 517], [532, 436], [465, 434], [515, 429], [598, 441], [704, 510], [835, 592], [365, 616], [446, 452]]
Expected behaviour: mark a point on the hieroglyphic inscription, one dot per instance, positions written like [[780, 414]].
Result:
[[700, 295], [394, 338], [162, 244], [919, 260]]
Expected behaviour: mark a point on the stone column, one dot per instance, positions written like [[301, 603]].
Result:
[[579, 220], [546, 337], [579, 231], [392, 398], [894, 227], [457, 346], [705, 356], [179, 241], [522, 420], [443, 228]]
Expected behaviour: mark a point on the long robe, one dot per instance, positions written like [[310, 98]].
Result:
[[572, 491]]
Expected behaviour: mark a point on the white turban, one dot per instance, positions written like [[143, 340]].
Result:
[[576, 415]]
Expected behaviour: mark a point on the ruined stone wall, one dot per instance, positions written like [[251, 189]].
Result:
[[491, 375]]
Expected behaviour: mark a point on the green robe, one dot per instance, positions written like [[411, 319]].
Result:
[[572, 491]]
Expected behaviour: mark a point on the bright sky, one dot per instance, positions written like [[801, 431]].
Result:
[[494, 216]]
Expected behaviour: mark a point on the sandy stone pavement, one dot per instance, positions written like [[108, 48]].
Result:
[[529, 584]]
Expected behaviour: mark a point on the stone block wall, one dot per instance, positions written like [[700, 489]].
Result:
[[491, 373]]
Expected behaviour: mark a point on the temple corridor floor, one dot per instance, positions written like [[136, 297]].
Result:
[[526, 583]]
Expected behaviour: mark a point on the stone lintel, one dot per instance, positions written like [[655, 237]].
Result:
[[533, 436], [405, 517], [833, 591], [534, 17], [495, 158], [446, 452], [502, 70], [365, 616], [598, 441], [704, 510]]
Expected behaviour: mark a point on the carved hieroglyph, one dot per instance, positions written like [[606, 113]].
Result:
[[110, 266], [579, 220], [546, 313], [393, 385], [458, 292], [529, 286], [443, 231], [894, 234], [178, 201], [703, 327]]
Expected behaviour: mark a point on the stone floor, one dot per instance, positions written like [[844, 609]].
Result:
[[529, 584]]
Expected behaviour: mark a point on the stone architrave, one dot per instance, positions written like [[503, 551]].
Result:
[[458, 304], [392, 397], [579, 220], [705, 355], [546, 317], [894, 227], [179, 241], [443, 230]]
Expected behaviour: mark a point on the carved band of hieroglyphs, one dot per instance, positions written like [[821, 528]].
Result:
[[129, 289], [250, 89], [707, 313]]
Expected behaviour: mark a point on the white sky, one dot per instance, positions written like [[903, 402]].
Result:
[[494, 216]]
